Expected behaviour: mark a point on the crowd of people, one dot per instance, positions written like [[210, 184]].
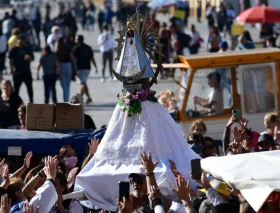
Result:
[[42, 186]]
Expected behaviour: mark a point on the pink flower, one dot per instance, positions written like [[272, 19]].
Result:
[[135, 97], [127, 101], [121, 95], [128, 94], [126, 113]]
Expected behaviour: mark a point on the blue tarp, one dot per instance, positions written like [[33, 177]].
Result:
[[47, 142]]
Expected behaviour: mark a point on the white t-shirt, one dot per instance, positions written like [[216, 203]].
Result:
[[216, 95], [52, 38], [106, 45]]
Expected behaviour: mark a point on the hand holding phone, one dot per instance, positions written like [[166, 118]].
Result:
[[124, 190], [237, 114], [196, 169]]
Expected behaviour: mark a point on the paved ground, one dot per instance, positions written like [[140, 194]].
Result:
[[104, 94]]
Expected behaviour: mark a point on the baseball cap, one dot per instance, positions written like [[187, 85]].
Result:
[[219, 186], [133, 175], [266, 138], [224, 44]]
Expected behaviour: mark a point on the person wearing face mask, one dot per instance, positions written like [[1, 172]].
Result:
[[68, 164]]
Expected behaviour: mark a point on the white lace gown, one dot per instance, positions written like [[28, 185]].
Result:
[[117, 156]]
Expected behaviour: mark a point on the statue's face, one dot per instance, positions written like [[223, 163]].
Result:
[[130, 33]]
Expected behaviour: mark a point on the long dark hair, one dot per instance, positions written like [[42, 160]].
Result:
[[61, 49], [61, 155]]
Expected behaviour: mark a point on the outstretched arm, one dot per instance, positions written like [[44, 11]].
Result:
[[25, 166]]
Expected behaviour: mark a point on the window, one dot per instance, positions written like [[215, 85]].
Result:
[[258, 89], [202, 87]]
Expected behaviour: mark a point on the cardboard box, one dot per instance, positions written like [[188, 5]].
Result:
[[69, 116], [40, 116]]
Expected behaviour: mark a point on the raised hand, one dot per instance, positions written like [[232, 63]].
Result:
[[71, 177], [203, 182], [243, 123], [147, 162], [26, 161], [154, 193], [232, 120], [28, 208], [2, 163], [5, 205], [182, 190], [236, 134], [93, 145], [50, 168], [5, 176], [126, 206]]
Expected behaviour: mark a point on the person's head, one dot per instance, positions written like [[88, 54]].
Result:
[[22, 114], [105, 28], [32, 173], [164, 25], [60, 183], [67, 157], [7, 15], [247, 35], [14, 190], [224, 207], [195, 142], [242, 40], [70, 37], [246, 137], [271, 42], [208, 147], [6, 87], [192, 28], [79, 39], [16, 31], [55, 30], [46, 50], [198, 126], [224, 46], [266, 142], [205, 206], [271, 120], [214, 79], [214, 30], [139, 184], [21, 40], [173, 28]]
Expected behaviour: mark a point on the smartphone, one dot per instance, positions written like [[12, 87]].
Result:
[[124, 190], [236, 113], [196, 169]]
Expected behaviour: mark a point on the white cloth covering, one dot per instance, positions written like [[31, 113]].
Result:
[[45, 197], [256, 175], [117, 155]]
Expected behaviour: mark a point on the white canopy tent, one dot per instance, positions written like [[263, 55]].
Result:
[[256, 175]]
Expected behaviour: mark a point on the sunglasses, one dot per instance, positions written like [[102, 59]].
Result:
[[138, 181], [209, 147]]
